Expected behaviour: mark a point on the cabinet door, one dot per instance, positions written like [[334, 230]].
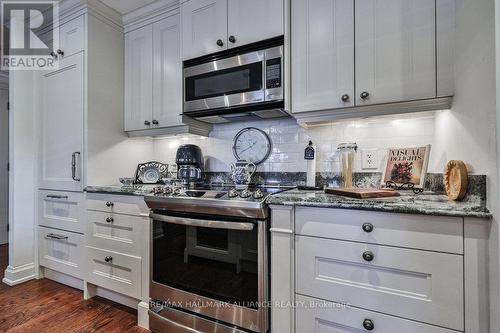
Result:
[[167, 73], [322, 54], [204, 27], [138, 79], [395, 50], [252, 21], [61, 126], [72, 36]]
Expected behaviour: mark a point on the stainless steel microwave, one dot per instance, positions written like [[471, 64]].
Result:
[[243, 84]]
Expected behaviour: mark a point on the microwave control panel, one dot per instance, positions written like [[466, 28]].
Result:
[[273, 73]]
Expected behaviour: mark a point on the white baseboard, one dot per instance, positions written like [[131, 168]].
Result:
[[19, 274], [143, 315]]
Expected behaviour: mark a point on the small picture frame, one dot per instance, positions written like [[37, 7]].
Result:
[[406, 165]]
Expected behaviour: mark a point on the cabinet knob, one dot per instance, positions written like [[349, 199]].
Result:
[[147, 123], [60, 52], [364, 95], [220, 42], [368, 324], [109, 219], [108, 259], [155, 122], [367, 227], [368, 256], [109, 204], [53, 54], [232, 39], [346, 98]]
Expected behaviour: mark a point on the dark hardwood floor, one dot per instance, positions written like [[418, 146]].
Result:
[[47, 306]]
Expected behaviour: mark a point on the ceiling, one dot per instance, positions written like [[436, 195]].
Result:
[[126, 6]]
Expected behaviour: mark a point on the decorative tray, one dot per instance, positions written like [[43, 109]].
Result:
[[150, 172]]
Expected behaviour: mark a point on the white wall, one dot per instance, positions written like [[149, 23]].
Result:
[[289, 141], [4, 159], [468, 131]]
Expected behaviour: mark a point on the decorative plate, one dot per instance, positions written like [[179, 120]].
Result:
[[456, 179], [252, 145], [150, 172]]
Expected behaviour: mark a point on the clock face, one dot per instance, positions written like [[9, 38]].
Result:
[[252, 145]]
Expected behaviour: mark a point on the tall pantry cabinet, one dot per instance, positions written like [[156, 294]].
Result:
[[80, 129]]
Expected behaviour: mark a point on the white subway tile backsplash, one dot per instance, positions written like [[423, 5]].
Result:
[[289, 141]]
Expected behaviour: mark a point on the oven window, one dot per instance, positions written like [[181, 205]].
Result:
[[216, 263], [225, 82]]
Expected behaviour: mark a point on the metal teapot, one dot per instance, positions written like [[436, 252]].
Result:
[[241, 174]]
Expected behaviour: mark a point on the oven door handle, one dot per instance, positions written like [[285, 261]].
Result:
[[203, 223]]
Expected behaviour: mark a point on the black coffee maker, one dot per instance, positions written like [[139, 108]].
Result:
[[190, 164]]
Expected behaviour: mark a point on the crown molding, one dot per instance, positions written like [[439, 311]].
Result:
[[150, 14]]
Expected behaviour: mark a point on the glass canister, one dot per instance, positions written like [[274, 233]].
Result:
[[347, 152]]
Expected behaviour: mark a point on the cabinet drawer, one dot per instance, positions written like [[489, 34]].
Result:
[[61, 210], [121, 233], [435, 233], [121, 273], [61, 251], [120, 204], [316, 316], [72, 36], [420, 285]]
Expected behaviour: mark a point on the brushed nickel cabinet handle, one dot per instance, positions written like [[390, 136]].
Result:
[[56, 196], [73, 166], [56, 237]]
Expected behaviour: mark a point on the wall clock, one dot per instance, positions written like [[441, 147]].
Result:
[[252, 145]]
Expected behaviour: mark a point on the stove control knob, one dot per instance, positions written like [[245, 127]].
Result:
[[258, 194], [167, 190], [158, 190], [246, 194], [233, 193]]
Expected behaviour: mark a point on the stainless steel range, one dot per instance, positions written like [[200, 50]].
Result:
[[209, 267]]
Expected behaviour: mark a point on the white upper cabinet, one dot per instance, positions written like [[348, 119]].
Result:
[[395, 50], [322, 54], [210, 26], [71, 37], [61, 126], [167, 73], [251, 21], [138, 79], [204, 27], [153, 78]]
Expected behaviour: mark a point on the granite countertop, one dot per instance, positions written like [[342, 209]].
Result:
[[427, 203], [138, 190]]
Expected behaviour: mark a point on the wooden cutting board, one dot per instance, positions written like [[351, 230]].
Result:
[[363, 193]]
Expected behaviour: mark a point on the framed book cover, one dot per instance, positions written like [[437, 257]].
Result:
[[406, 165]]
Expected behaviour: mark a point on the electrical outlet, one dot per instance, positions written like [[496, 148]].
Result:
[[369, 159]]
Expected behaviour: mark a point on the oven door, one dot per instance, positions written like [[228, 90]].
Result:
[[211, 266], [229, 82]]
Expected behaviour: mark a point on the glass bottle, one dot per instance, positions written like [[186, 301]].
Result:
[[347, 152]]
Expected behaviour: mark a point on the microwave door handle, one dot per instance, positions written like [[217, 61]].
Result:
[[203, 223]]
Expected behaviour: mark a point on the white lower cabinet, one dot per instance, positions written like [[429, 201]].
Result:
[[117, 244], [117, 232], [317, 316], [61, 251], [356, 271], [61, 210], [419, 285], [114, 271]]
